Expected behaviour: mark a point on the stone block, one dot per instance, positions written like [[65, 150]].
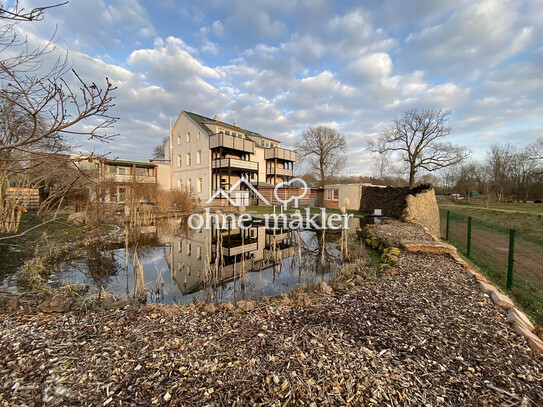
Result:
[[502, 300], [487, 288], [480, 277], [521, 330], [514, 315], [535, 344], [428, 247]]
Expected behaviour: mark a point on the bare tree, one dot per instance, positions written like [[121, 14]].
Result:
[[382, 163], [158, 150], [417, 136], [20, 14], [323, 149], [41, 105]]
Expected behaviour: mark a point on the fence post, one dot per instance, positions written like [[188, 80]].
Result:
[[511, 258], [447, 228], [468, 251]]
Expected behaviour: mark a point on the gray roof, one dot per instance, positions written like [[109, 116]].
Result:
[[202, 121]]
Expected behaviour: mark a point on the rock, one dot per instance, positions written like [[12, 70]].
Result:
[[521, 330], [303, 299], [502, 300], [228, 306], [77, 218], [57, 303], [245, 305], [285, 300], [514, 315], [210, 308], [487, 288], [428, 247], [535, 344], [325, 288]]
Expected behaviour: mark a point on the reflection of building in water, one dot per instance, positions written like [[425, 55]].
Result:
[[215, 257]]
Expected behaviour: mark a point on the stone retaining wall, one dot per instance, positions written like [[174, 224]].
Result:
[[417, 204]]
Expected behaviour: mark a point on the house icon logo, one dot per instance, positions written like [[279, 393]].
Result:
[[221, 193]]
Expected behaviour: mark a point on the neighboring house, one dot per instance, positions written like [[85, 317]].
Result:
[[335, 195], [207, 155]]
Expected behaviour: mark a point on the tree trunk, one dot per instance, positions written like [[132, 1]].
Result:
[[411, 177]]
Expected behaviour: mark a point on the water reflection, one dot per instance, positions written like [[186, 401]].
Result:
[[176, 264]]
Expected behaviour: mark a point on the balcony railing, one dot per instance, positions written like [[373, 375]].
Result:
[[234, 143], [279, 171], [235, 250], [130, 178], [235, 164], [279, 153]]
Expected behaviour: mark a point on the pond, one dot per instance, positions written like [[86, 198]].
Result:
[[171, 263]]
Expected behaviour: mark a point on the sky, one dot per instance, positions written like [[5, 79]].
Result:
[[279, 67]]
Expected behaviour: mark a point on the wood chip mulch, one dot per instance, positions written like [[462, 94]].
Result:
[[423, 336]]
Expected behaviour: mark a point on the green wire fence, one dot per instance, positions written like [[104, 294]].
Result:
[[510, 259]]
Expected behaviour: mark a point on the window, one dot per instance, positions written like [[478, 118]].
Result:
[[199, 252], [178, 139], [180, 246], [188, 159], [123, 170], [234, 134], [198, 157], [262, 143], [198, 136], [179, 266], [112, 169], [189, 249], [199, 185], [179, 184], [332, 195], [187, 268], [227, 132], [188, 137], [142, 171], [179, 161], [121, 191], [189, 184]]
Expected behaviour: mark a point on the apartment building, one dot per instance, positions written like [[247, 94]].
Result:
[[206, 155], [192, 261]]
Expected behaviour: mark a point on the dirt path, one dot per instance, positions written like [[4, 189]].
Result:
[[424, 335]]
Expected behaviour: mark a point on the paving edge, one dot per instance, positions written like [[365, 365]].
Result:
[[516, 318]]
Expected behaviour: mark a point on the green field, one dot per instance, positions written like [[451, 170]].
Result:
[[524, 218]]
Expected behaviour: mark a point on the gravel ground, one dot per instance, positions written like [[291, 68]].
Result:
[[422, 336]]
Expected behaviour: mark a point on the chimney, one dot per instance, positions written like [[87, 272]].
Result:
[[235, 122], [216, 118]]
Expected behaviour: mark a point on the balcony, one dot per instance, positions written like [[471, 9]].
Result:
[[280, 154], [235, 250], [234, 163], [128, 178], [279, 171], [234, 143]]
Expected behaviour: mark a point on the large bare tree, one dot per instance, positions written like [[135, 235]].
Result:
[[418, 136], [322, 149], [44, 107]]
